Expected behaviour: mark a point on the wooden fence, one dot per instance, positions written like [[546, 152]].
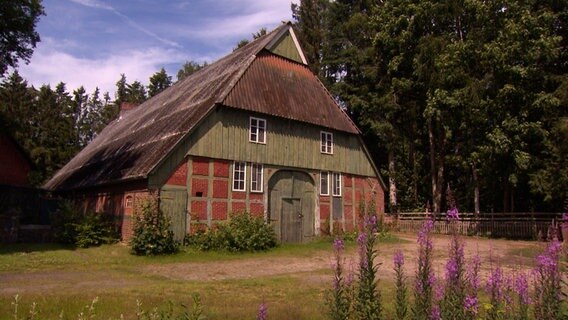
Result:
[[518, 225]]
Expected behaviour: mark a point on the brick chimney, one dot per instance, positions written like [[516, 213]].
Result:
[[125, 107]]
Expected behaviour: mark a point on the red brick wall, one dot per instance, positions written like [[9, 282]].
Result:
[[179, 177], [14, 166]]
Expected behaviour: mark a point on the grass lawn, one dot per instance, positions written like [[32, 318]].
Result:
[[291, 280]]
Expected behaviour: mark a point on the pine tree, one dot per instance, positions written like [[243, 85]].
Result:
[[158, 82], [189, 68]]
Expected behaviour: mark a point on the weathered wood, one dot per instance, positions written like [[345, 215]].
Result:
[[518, 225]]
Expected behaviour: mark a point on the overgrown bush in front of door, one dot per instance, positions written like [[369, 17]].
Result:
[[152, 231], [243, 232]]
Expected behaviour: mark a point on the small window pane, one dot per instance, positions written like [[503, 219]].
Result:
[[336, 184], [239, 174], [326, 142], [256, 177], [324, 183], [257, 130]]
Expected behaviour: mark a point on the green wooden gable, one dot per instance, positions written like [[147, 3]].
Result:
[[287, 46]]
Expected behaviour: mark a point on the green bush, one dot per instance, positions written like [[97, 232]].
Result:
[[242, 233], [82, 230], [152, 231]]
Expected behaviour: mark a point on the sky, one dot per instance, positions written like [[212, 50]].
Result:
[[92, 42]]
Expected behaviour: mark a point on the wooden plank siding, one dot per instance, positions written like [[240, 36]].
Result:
[[285, 47], [224, 134]]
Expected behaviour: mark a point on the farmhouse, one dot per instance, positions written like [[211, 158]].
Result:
[[255, 131]]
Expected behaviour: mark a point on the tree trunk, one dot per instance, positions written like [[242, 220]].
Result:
[[475, 190], [436, 171], [392, 182]]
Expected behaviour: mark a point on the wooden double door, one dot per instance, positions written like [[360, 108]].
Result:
[[291, 205]]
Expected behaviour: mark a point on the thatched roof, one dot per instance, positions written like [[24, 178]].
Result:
[[250, 78]]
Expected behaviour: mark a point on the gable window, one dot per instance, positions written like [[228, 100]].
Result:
[[256, 177], [326, 142], [324, 183], [239, 175], [257, 132], [336, 184]]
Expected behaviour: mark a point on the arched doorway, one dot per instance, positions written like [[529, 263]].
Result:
[[291, 205]]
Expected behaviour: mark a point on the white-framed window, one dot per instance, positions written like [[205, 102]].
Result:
[[239, 175], [256, 177], [336, 184], [326, 142], [324, 183], [128, 201], [257, 132]]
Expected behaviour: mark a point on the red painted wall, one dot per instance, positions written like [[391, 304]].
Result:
[[14, 165]]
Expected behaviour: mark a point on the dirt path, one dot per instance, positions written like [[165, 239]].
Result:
[[316, 268], [492, 253]]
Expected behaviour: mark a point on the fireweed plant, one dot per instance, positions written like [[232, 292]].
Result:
[[367, 299], [401, 308], [338, 300], [547, 283], [424, 284]]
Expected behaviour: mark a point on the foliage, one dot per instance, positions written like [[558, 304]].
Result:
[[243, 42], [243, 232], [50, 124], [338, 299], [401, 299], [159, 81], [152, 234], [189, 68], [467, 93], [547, 297], [425, 278], [18, 35], [82, 230], [367, 297], [195, 312]]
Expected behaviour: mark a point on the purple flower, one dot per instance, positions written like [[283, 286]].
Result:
[[338, 244], [473, 272], [522, 287], [398, 259], [451, 270], [436, 313], [362, 239], [452, 214], [470, 304], [495, 283], [262, 312]]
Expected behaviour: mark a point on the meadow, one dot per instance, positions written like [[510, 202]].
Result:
[[291, 280]]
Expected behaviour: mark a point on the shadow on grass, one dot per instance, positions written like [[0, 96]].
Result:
[[33, 247]]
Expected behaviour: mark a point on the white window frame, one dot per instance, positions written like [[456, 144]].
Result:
[[255, 129], [326, 142], [336, 184], [239, 181], [128, 201], [259, 184], [324, 192]]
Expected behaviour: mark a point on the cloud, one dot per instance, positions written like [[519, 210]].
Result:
[[51, 65], [100, 5], [237, 19]]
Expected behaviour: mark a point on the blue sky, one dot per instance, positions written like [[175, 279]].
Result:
[[91, 42]]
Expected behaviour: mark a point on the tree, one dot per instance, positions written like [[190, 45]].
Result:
[[158, 82], [309, 19], [18, 36], [135, 92], [121, 90], [261, 32], [189, 68]]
